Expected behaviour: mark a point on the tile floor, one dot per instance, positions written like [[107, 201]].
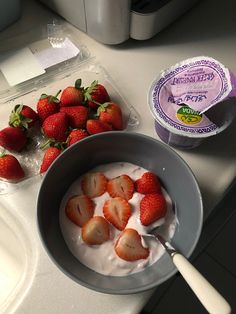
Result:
[[214, 257]]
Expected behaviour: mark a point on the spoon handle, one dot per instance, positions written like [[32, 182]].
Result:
[[206, 293]]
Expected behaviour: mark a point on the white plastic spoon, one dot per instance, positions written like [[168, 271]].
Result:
[[210, 298]]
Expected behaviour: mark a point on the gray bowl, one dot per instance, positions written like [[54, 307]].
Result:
[[138, 149]]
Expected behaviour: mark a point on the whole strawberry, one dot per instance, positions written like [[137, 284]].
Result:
[[148, 183], [76, 135], [47, 105], [152, 207], [23, 116], [96, 126], [10, 168], [77, 115], [95, 95], [13, 139], [56, 127], [72, 95], [111, 113], [49, 156]]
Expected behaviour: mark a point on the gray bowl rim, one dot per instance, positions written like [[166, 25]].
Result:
[[123, 291]]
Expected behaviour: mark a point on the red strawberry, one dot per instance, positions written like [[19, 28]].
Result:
[[96, 94], [117, 211], [79, 209], [129, 246], [111, 113], [78, 116], [13, 139], [49, 156], [72, 95], [47, 105], [148, 183], [94, 184], [96, 231], [10, 168], [23, 116], [152, 208], [76, 135], [56, 126], [122, 186], [97, 126]]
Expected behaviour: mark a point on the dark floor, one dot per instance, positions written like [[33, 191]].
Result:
[[214, 257]]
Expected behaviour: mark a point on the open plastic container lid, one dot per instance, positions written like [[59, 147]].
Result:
[[48, 65]]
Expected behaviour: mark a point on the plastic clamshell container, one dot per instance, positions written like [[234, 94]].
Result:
[[56, 78]]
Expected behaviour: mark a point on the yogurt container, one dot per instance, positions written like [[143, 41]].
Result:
[[192, 100]]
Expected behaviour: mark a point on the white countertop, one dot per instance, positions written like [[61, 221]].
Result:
[[133, 65]]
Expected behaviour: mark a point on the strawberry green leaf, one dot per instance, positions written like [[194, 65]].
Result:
[[2, 153], [43, 96], [102, 107], [17, 119], [53, 99], [92, 87], [52, 143], [78, 83], [48, 143]]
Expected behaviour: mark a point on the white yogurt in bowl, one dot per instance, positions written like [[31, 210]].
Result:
[[102, 258]]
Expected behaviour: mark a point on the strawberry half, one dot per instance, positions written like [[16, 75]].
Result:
[[10, 168], [23, 116], [13, 139], [117, 211], [56, 126], [49, 156], [152, 208], [79, 209], [94, 184], [96, 126], [129, 246], [96, 231], [78, 116], [76, 135], [122, 186], [96, 94], [47, 105], [72, 95], [148, 183]]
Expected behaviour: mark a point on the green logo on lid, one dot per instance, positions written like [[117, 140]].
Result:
[[188, 116]]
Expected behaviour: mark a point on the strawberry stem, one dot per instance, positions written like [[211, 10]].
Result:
[[57, 93]]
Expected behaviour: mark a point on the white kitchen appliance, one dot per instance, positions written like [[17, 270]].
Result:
[[114, 21]]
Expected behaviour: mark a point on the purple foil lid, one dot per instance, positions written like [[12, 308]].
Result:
[[182, 93], [233, 82]]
